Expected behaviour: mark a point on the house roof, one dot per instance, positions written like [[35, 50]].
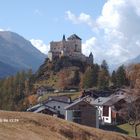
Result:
[[100, 101], [39, 109], [108, 101], [45, 107], [76, 102], [60, 98], [114, 100], [36, 107], [74, 36], [45, 102]]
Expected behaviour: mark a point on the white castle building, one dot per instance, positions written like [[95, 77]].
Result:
[[72, 48]]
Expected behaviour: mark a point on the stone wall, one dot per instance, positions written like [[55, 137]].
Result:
[[71, 48]]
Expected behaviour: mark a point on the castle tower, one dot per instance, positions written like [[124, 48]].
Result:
[[91, 58], [63, 39]]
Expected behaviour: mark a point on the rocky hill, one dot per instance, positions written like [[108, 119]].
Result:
[[18, 52], [34, 126], [52, 71]]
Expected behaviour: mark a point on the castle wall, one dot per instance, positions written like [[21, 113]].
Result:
[[56, 46], [71, 48]]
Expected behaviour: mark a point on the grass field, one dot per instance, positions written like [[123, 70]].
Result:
[[124, 128], [129, 129], [73, 95]]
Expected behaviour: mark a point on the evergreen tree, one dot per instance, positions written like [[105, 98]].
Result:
[[113, 78], [104, 66], [95, 73], [103, 78], [87, 78], [90, 78], [121, 77]]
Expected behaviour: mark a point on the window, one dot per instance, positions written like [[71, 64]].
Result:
[[54, 107], [58, 106], [77, 116], [105, 111], [76, 48], [76, 113]]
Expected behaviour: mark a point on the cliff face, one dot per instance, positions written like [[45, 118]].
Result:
[[52, 72]]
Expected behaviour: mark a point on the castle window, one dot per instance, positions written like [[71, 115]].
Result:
[[76, 48]]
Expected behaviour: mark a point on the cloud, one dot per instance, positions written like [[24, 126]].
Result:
[[118, 37], [7, 29], [38, 12], [92, 45], [120, 22], [2, 30], [82, 18], [40, 45]]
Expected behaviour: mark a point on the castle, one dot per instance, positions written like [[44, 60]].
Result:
[[70, 47]]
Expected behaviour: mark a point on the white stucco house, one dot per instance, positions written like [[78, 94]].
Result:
[[107, 108]]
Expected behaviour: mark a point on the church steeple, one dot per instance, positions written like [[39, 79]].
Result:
[[63, 39]]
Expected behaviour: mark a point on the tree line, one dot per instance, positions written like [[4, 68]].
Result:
[[98, 76], [14, 90]]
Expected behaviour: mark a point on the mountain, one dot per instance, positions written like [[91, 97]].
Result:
[[35, 126], [6, 69], [18, 52], [135, 60]]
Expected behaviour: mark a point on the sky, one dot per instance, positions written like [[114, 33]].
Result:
[[110, 29]]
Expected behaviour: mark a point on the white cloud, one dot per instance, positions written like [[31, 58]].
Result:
[[38, 12], [92, 45], [2, 30], [118, 27], [7, 29], [82, 18], [40, 45]]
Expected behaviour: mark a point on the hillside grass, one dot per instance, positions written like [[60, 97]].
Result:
[[72, 95], [129, 129], [35, 126], [123, 128]]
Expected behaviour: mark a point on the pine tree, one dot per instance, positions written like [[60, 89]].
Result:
[[103, 78], [121, 76], [113, 78], [87, 78], [90, 78]]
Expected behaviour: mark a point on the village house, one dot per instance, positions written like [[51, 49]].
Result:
[[83, 113], [108, 108], [43, 90], [53, 106]]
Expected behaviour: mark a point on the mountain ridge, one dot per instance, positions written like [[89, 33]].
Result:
[[18, 52], [6, 69]]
